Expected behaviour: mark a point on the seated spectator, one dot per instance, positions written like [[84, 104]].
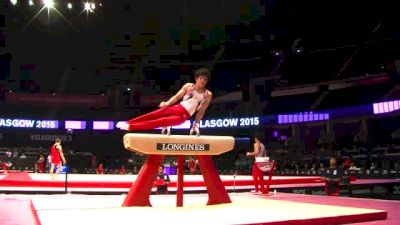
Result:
[[372, 167], [346, 164], [8, 153], [5, 166], [353, 166], [192, 165], [122, 170], [396, 165], [15, 153], [313, 167], [321, 167]]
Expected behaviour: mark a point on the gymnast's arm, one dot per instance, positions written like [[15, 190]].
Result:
[[256, 150], [59, 148], [203, 108], [179, 95]]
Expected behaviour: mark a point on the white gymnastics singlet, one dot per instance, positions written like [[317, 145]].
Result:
[[193, 100]]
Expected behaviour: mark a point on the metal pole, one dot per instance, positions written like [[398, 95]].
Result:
[[66, 180]]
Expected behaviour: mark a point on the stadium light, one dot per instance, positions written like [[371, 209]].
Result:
[[48, 3], [14, 2], [31, 2], [69, 5], [87, 7]]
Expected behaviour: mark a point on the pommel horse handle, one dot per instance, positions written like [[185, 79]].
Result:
[[157, 146]]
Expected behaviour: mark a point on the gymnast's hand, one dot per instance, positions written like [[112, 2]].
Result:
[[195, 129], [163, 104]]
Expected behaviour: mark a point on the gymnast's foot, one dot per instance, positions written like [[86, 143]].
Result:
[[166, 130], [122, 125]]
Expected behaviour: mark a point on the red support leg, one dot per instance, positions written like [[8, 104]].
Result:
[[139, 194], [179, 190], [217, 193]]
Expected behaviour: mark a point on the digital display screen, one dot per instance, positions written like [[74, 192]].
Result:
[[75, 124], [103, 125], [386, 107], [302, 117]]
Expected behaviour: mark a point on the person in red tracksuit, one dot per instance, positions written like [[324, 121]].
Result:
[[40, 164], [56, 157], [100, 169], [192, 97]]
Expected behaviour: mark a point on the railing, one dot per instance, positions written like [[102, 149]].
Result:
[[362, 173]]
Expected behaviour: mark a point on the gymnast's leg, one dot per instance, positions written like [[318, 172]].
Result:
[[163, 117]]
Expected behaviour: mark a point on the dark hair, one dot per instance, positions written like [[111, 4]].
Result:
[[203, 71]]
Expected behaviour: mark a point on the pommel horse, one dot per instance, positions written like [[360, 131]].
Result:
[[156, 146]]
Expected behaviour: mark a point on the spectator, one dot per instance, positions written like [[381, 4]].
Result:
[[8, 153], [5, 166], [353, 166], [135, 170], [15, 153], [162, 181], [40, 164], [332, 176], [122, 170], [48, 162], [321, 167], [192, 165], [396, 165], [372, 167], [313, 167], [347, 164], [100, 169], [23, 156]]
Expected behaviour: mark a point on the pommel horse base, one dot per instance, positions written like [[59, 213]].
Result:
[[156, 146]]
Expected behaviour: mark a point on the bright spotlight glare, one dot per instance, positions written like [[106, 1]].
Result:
[[14, 2], [30, 2], [92, 6], [87, 6], [48, 3], [69, 5]]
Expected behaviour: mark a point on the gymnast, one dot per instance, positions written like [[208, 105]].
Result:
[[191, 98]]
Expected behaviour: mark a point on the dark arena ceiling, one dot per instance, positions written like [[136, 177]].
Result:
[[130, 41]]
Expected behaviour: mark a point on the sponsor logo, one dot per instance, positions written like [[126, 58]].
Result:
[[182, 147]]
